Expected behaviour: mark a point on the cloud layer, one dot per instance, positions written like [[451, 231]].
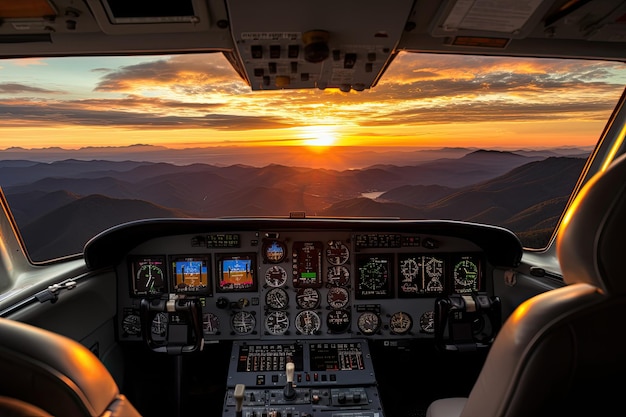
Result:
[[204, 92]]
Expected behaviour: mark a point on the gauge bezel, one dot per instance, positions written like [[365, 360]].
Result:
[[307, 264], [475, 259], [379, 260], [283, 276], [274, 257], [272, 330], [135, 263], [223, 262], [177, 262]]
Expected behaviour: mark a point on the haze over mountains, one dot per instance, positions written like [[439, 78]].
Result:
[[60, 205]]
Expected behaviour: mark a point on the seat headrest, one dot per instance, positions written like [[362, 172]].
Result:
[[590, 243]]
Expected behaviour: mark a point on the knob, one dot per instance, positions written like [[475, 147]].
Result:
[[222, 302], [341, 398]]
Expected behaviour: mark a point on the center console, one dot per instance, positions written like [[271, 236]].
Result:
[[333, 378]]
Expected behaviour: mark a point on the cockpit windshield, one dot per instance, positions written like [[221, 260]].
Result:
[[91, 142]]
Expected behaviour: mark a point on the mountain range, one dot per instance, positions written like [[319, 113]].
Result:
[[60, 205]]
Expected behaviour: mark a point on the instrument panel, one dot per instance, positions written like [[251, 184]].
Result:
[[301, 284]]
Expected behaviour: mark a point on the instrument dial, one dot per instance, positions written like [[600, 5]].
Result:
[[274, 251], [210, 324], [308, 322], [400, 323], [338, 321], [277, 298], [131, 325], [433, 273], [159, 324], [374, 276], [409, 268], [308, 298], [368, 323], [410, 276], [275, 276], [337, 297], [243, 322], [465, 275], [427, 322], [277, 322], [150, 278], [337, 253], [338, 275]]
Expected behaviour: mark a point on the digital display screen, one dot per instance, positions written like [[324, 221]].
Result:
[[467, 274], [269, 358], [374, 276], [420, 275], [190, 274], [236, 273], [336, 357], [307, 264], [148, 275]]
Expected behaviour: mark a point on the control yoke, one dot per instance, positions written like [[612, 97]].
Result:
[[466, 322], [184, 329]]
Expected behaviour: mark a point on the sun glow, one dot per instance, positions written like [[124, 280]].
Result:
[[322, 136]]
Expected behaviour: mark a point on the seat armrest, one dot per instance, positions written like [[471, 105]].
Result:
[[447, 407]]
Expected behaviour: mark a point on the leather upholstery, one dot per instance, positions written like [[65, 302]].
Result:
[[11, 407], [562, 352], [56, 374]]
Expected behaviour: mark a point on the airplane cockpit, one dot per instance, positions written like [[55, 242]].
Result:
[[246, 279]]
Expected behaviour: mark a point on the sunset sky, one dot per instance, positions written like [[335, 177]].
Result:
[[199, 100]]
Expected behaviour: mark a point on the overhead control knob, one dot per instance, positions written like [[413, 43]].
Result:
[[315, 45], [222, 302]]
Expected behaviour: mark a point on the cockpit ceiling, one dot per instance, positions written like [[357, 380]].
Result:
[[323, 44]]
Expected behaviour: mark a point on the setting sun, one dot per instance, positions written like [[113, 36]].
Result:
[[319, 135]]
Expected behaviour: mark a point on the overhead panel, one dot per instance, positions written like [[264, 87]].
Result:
[[284, 44], [487, 23]]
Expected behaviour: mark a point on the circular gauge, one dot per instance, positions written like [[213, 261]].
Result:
[[277, 322], [400, 323], [338, 275], [308, 298], [275, 276], [149, 279], [338, 321], [243, 322], [433, 273], [433, 267], [434, 285], [277, 298], [131, 324], [427, 322], [210, 323], [465, 274], [274, 251], [368, 322], [159, 324], [409, 268], [308, 322], [337, 253], [337, 297]]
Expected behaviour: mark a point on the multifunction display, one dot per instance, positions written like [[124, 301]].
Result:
[[336, 357], [236, 273], [191, 274], [270, 357]]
